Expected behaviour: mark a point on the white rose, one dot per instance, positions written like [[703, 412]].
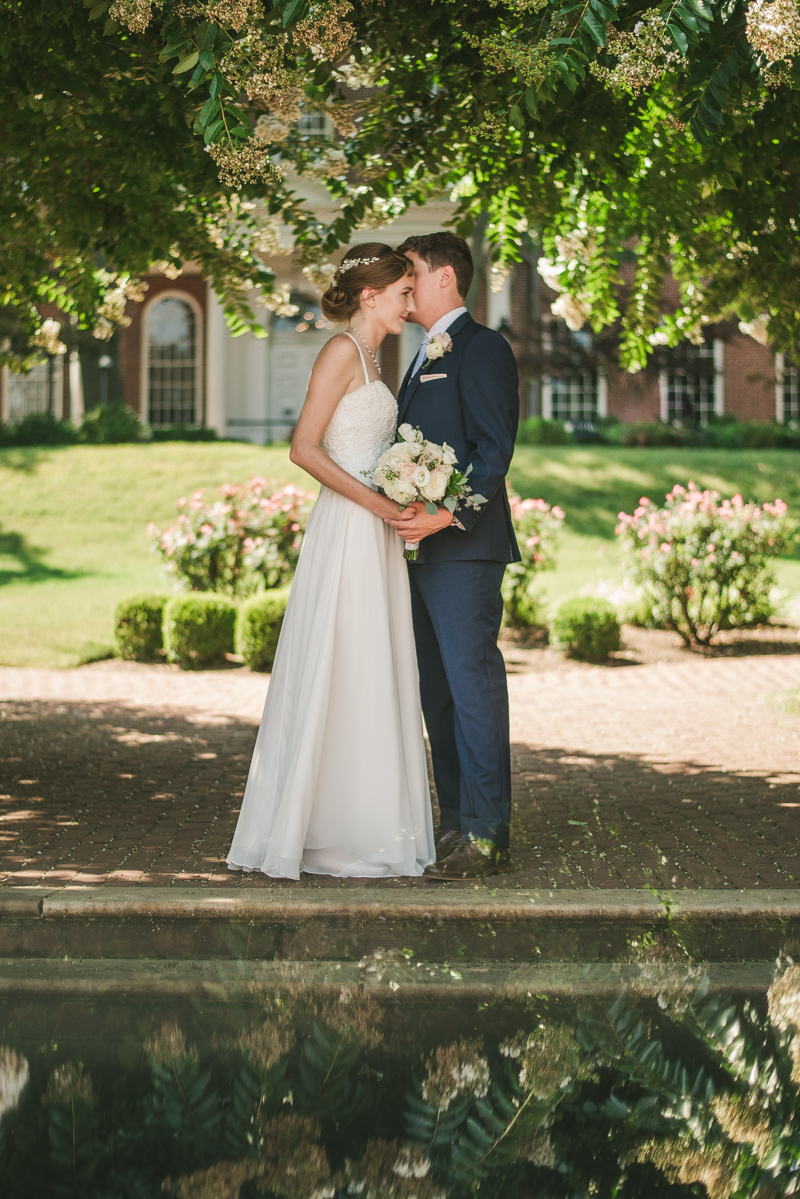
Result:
[[436, 486], [448, 456], [408, 432], [378, 477], [399, 453], [404, 492], [439, 345], [421, 477], [446, 470]]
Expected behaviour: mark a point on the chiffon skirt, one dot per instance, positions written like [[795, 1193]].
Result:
[[338, 783]]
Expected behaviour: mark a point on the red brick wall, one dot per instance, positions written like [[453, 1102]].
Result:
[[130, 341], [633, 397], [749, 379]]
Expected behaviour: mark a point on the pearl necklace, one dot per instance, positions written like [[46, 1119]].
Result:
[[369, 351]]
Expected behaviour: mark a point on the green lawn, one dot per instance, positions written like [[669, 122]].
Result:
[[73, 521]]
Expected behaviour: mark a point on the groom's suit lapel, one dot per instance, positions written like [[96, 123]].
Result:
[[409, 387]]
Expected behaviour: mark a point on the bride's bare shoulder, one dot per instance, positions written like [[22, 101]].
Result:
[[337, 354]]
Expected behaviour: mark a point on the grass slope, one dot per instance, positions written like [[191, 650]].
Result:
[[73, 521], [73, 533]]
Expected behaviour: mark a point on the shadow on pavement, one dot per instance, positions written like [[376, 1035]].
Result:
[[95, 793]]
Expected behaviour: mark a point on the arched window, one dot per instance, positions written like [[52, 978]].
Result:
[[172, 363]]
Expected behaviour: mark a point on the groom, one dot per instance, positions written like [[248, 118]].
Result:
[[468, 397]]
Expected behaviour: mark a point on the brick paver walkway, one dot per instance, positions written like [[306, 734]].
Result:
[[681, 774]]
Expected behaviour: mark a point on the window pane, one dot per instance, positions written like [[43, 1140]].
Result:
[[690, 383], [37, 391], [172, 364], [574, 397]]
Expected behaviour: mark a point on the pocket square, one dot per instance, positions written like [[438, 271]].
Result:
[[427, 378]]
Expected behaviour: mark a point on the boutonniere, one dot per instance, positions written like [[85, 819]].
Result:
[[439, 345]]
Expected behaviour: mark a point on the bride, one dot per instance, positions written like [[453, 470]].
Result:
[[338, 783]]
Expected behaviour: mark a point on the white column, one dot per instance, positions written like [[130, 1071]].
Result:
[[216, 347], [602, 393], [498, 303], [75, 388], [719, 376], [547, 399], [779, 366], [663, 397]]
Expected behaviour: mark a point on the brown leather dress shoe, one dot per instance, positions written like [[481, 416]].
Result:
[[446, 840], [471, 859]]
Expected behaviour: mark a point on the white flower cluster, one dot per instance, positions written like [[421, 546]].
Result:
[[320, 274], [46, 337], [757, 328], [577, 245], [279, 301], [14, 1075], [773, 27], [643, 55], [414, 469]]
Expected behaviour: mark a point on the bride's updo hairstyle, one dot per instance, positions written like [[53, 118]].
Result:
[[372, 265]]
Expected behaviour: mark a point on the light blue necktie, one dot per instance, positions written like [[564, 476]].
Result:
[[421, 355]]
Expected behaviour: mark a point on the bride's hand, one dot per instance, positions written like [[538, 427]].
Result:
[[414, 523]]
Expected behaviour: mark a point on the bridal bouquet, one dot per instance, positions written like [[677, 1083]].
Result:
[[414, 469]]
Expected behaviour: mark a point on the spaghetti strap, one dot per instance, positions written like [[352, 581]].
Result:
[[361, 356]]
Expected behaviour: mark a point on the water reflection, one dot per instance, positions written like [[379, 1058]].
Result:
[[302, 1096]]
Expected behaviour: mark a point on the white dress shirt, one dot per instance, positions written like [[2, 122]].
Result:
[[444, 322]]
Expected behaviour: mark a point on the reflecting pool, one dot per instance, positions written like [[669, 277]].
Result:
[[304, 1092]]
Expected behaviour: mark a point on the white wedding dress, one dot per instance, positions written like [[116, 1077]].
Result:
[[338, 783]]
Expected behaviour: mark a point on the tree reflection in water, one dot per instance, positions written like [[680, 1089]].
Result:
[[695, 1097]]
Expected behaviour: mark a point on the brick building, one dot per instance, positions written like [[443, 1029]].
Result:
[[176, 363]]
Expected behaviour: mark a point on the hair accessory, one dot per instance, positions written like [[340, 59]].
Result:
[[350, 262]]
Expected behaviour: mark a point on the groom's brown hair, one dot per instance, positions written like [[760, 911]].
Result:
[[443, 249]]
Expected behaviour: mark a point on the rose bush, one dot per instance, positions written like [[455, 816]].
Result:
[[249, 537], [703, 563], [536, 525]]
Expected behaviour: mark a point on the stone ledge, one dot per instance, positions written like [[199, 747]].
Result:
[[368, 902], [389, 983], [454, 924]]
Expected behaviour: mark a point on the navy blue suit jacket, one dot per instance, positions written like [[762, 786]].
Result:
[[475, 409]]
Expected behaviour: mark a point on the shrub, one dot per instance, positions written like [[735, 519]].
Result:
[[536, 525], [644, 433], [183, 433], [258, 626], [754, 435], [198, 629], [705, 563], [138, 627], [586, 627], [538, 431], [111, 424], [38, 428], [251, 534]]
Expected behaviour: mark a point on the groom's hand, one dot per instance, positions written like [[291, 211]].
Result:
[[414, 523]]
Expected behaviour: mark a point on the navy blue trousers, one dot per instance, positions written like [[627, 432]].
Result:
[[457, 610]]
